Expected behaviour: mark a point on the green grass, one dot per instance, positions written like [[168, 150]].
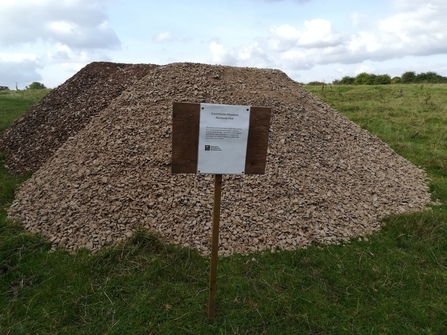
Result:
[[14, 103], [393, 282]]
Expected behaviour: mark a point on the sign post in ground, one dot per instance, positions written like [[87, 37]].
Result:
[[218, 139], [214, 246]]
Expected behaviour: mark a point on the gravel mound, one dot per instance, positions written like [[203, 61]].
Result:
[[326, 178], [34, 137]]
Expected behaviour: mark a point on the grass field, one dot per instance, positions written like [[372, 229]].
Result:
[[393, 282], [14, 103]]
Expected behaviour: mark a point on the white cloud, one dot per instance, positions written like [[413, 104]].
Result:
[[19, 69], [287, 47], [364, 69], [363, 43], [417, 29], [164, 36], [316, 33], [357, 18], [17, 57], [286, 32], [63, 53], [80, 24], [57, 31], [20, 73], [410, 5], [220, 54], [281, 34], [319, 33], [298, 1], [62, 27]]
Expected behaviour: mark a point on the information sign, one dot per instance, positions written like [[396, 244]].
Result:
[[223, 135], [218, 139]]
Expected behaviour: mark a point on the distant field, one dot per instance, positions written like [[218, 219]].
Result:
[[393, 282], [14, 103]]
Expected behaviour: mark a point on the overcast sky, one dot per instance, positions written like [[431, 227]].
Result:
[[50, 40]]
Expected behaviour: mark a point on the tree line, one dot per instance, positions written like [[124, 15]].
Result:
[[409, 77]]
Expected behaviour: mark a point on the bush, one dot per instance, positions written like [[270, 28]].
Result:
[[36, 86], [365, 79], [430, 78], [316, 83], [409, 77], [382, 79], [346, 80]]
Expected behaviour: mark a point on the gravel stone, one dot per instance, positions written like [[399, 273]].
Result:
[[326, 180], [34, 137]]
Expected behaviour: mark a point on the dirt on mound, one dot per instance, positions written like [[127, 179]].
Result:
[[326, 178], [34, 137]]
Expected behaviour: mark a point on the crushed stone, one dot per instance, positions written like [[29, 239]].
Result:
[[327, 180]]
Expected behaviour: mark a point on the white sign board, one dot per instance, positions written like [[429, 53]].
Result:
[[223, 135]]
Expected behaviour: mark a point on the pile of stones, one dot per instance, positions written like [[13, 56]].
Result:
[[34, 137], [102, 178]]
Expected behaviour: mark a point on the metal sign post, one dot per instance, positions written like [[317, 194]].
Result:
[[218, 139]]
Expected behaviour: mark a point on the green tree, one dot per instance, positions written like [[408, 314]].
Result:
[[424, 77], [362, 79], [371, 79], [346, 80], [316, 83], [365, 79], [382, 79], [396, 80], [36, 86], [430, 78], [408, 77]]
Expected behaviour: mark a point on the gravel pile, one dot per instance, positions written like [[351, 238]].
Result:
[[326, 178], [34, 137]]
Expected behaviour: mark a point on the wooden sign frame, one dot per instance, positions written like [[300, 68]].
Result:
[[185, 138]]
